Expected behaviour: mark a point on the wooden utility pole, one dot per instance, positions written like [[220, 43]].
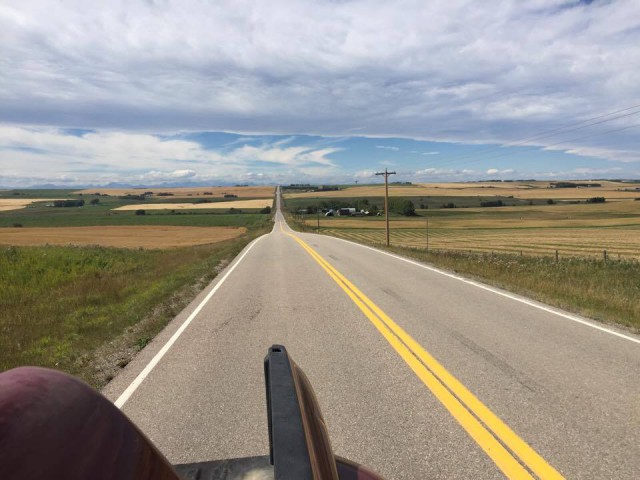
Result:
[[427, 234], [386, 174]]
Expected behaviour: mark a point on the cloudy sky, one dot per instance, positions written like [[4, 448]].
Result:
[[218, 92]]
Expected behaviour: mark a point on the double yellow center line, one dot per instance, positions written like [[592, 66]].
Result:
[[509, 452]]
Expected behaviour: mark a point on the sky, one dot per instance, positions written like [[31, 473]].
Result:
[[191, 92]]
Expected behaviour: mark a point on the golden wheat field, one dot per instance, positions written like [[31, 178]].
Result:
[[119, 236], [7, 204], [239, 204], [181, 192], [584, 229], [524, 190], [619, 243]]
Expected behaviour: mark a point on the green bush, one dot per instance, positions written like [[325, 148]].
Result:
[[492, 203], [402, 206], [68, 203]]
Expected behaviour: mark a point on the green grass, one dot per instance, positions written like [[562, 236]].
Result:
[[430, 203], [38, 193], [39, 215], [61, 304]]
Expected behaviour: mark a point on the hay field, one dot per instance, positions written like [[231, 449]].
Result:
[[181, 192], [574, 230], [119, 236], [610, 214], [239, 204], [7, 204], [589, 242], [524, 190]]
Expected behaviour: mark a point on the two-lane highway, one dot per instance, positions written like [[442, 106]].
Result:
[[419, 374]]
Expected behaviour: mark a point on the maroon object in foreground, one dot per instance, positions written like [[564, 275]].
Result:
[[55, 426]]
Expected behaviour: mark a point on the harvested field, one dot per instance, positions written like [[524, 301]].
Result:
[[216, 192], [588, 242], [610, 214], [575, 230], [239, 204], [524, 190], [119, 236], [7, 204]]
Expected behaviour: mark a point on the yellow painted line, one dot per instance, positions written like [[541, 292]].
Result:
[[491, 434]]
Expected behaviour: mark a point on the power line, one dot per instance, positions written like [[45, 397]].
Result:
[[558, 143], [548, 133]]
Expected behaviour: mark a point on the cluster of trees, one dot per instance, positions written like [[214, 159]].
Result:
[[492, 203], [68, 203], [128, 196], [402, 206], [596, 200], [574, 185]]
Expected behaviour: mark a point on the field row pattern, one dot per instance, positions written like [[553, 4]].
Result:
[[589, 243]]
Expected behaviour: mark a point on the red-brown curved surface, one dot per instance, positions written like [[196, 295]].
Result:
[[54, 426]]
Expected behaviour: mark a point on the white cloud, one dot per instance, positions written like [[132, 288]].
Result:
[[447, 174], [42, 155], [385, 147], [364, 174], [494, 171], [449, 71]]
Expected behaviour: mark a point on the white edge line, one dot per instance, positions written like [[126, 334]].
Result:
[[531, 303], [158, 356]]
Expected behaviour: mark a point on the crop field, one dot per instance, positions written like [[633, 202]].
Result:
[[7, 204], [84, 287], [521, 190], [103, 213], [590, 243], [573, 229], [239, 204], [119, 236], [205, 192]]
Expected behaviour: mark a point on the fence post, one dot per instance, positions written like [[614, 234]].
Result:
[[604, 254], [557, 255]]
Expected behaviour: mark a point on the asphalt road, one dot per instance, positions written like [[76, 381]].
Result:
[[567, 395]]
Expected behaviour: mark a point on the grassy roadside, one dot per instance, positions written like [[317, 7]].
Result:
[[605, 291], [87, 310]]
